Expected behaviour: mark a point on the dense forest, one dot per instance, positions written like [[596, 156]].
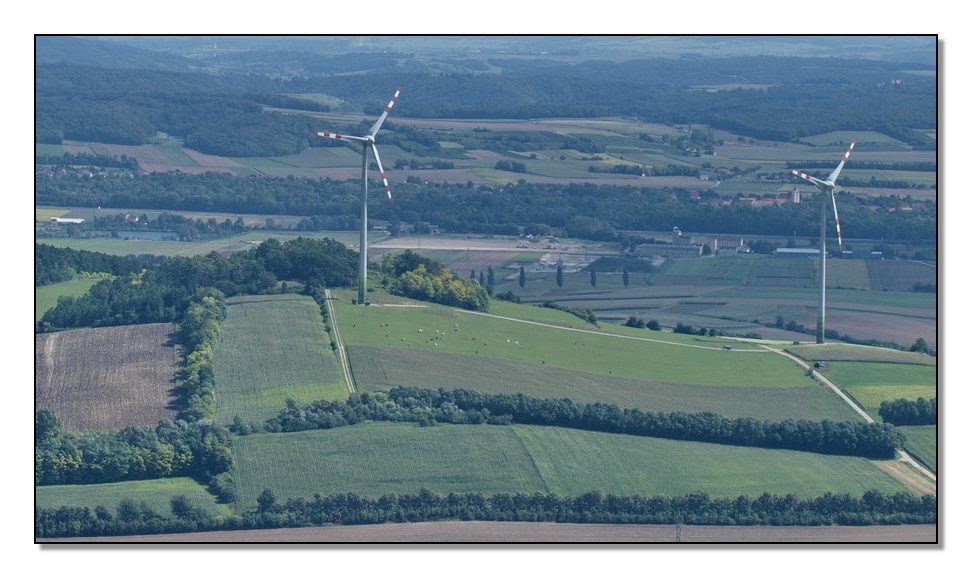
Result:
[[163, 292], [580, 210], [224, 114]]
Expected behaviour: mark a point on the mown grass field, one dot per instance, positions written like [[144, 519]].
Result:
[[380, 368], [46, 297], [273, 347], [156, 493], [870, 383], [374, 459], [672, 359]]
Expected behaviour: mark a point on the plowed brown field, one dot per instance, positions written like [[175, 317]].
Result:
[[106, 378], [545, 532]]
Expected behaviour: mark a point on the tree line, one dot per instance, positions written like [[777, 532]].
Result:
[[198, 449], [910, 412], [199, 333], [580, 209], [53, 264], [462, 406], [697, 508]]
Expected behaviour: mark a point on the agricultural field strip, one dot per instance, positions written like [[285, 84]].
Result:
[[342, 353], [905, 457], [609, 334]]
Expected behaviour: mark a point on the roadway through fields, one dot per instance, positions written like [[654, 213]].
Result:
[[342, 353], [902, 455]]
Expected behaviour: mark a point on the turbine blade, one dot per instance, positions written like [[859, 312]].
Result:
[[833, 176], [384, 114], [840, 240], [335, 135], [381, 170], [803, 176]]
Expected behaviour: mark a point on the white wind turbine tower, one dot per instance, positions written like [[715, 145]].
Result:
[[367, 144], [827, 186]]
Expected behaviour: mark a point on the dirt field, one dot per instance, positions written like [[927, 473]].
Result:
[[106, 378], [545, 532]]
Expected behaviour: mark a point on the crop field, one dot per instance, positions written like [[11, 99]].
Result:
[[870, 383], [900, 275], [375, 459], [46, 297], [272, 348], [862, 138], [671, 358], [106, 378], [380, 368], [845, 273], [45, 213], [155, 493], [922, 443]]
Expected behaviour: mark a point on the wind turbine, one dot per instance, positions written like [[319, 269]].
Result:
[[367, 144], [826, 186]]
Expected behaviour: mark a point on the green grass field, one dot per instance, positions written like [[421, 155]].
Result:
[[922, 443], [273, 348], [857, 373], [380, 368], [374, 459], [156, 493], [46, 297], [437, 328]]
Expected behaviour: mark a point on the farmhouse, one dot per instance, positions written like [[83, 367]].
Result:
[[65, 220]]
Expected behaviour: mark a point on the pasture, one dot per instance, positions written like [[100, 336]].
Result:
[[155, 493], [870, 383], [107, 378], [379, 368], [375, 459], [672, 360], [273, 347]]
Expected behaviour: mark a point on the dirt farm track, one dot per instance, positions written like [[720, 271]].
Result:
[[545, 532]]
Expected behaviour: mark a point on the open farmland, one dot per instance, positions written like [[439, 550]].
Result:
[[665, 357], [107, 378], [922, 443], [547, 532], [272, 348], [155, 493], [374, 459], [377, 368]]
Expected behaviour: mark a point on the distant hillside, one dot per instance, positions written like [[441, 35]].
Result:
[[90, 52]]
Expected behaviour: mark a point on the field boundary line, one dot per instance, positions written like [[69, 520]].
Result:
[[902, 455], [342, 352], [712, 348]]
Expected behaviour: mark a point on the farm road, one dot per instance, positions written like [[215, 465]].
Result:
[[342, 353], [719, 348], [902, 455]]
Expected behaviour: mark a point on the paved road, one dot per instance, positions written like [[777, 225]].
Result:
[[342, 353]]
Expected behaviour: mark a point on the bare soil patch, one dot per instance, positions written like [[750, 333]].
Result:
[[548, 532], [108, 377]]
